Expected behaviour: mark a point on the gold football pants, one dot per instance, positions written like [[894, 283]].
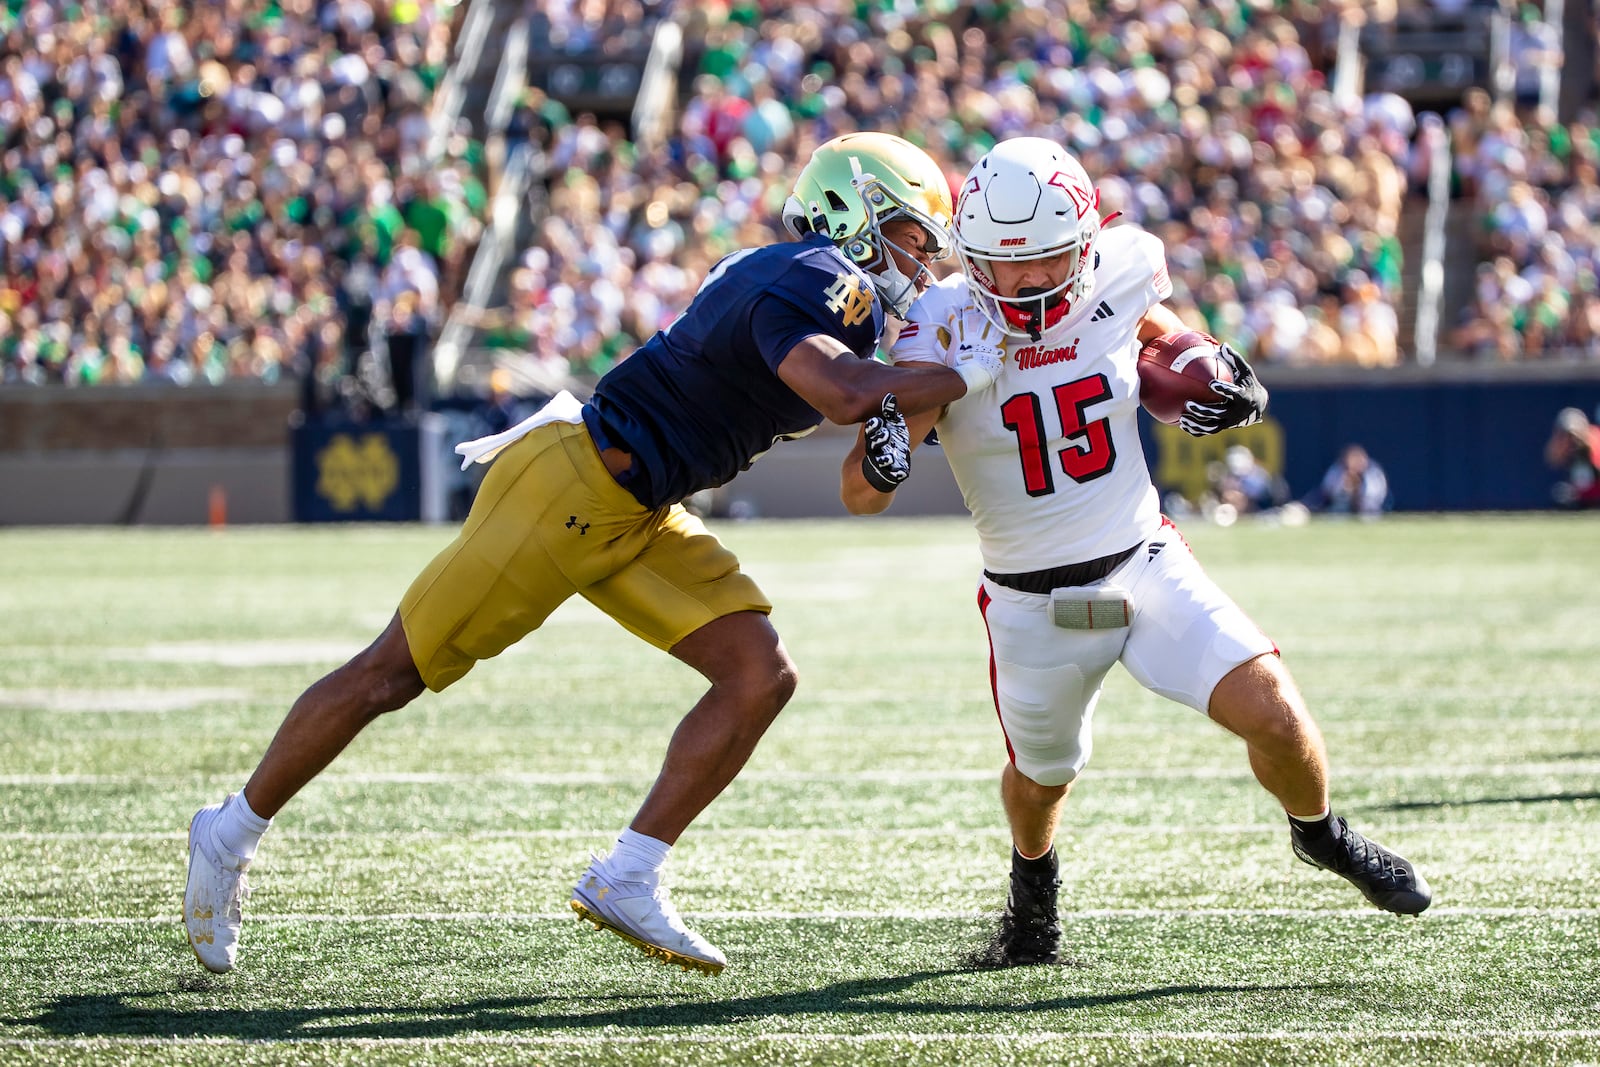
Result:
[[550, 521]]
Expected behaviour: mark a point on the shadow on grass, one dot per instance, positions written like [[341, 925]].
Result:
[[144, 1014], [1541, 798]]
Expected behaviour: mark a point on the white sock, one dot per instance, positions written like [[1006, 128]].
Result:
[[239, 829], [638, 856], [1321, 816], [1312, 827]]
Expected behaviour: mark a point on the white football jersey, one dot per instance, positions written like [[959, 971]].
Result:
[[1049, 461]]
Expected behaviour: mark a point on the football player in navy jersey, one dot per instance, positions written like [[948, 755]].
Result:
[[585, 499]]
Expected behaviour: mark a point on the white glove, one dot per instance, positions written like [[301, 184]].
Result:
[[976, 359]]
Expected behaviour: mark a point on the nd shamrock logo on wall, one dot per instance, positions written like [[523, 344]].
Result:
[[349, 474]]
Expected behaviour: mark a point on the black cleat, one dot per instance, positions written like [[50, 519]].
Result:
[[1030, 929], [1387, 879]]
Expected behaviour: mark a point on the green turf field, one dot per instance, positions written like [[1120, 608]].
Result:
[[411, 905]]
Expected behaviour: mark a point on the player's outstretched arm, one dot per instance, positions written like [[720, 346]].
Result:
[[848, 389]]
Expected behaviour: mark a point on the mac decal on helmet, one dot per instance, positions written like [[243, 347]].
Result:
[[855, 183], [1028, 199]]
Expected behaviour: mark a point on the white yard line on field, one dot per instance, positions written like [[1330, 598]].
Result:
[[779, 776], [913, 833], [897, 1037], [79, 701], [930, 915]]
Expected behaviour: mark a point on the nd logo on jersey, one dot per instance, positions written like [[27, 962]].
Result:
[[849, 299]]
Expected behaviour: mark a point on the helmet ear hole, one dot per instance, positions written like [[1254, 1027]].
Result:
[[796, 220]]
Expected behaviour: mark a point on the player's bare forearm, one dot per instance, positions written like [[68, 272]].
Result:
[[924, 389], [918, 390], [1158, 321], [859, 497], [847, 389]]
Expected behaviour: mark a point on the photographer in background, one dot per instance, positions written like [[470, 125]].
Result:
[[1574, 449], [1354, 485]]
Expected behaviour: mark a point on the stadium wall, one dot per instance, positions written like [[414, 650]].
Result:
[[145, 454], [1449, 438], [1444, 447], [1464, 439]]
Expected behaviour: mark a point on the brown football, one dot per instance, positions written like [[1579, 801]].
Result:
[[1176, 368]]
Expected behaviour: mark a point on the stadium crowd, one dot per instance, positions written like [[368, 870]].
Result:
[[1533, 185], [230, 190], [1210, 124], [245, 191]]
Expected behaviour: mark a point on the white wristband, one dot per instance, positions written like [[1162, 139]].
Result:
[[975, 374]]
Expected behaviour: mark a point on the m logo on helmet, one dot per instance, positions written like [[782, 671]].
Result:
[[1082, 199]]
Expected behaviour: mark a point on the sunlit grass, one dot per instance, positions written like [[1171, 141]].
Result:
[[411, 903]]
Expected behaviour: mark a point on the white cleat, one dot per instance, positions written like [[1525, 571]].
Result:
[[213, 902], [642, 914]]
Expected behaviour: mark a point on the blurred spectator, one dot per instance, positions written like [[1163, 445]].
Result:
[[1354, 485], [1243, 486], [405, 340], [1533, 184], [500, 410], [1574, 450], [1369, 329], [1534, 49]]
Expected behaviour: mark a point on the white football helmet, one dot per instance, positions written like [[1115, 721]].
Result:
[[1028, 198]]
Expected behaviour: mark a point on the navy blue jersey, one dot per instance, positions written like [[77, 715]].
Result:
[[699, 401]]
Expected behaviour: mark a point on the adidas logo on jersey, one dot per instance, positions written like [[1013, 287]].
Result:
[[1104, 311]]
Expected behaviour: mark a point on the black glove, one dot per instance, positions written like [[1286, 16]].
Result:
[[888, 459], [1244, 400]]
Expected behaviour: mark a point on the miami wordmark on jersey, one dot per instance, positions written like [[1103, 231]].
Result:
[[1049, 462]]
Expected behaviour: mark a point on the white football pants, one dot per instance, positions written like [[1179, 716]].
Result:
[[1185, 635]]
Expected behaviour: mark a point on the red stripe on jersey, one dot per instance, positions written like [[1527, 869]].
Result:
[[1162, 282]]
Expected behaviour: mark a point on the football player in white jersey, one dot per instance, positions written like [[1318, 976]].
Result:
[[1081, 569]]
